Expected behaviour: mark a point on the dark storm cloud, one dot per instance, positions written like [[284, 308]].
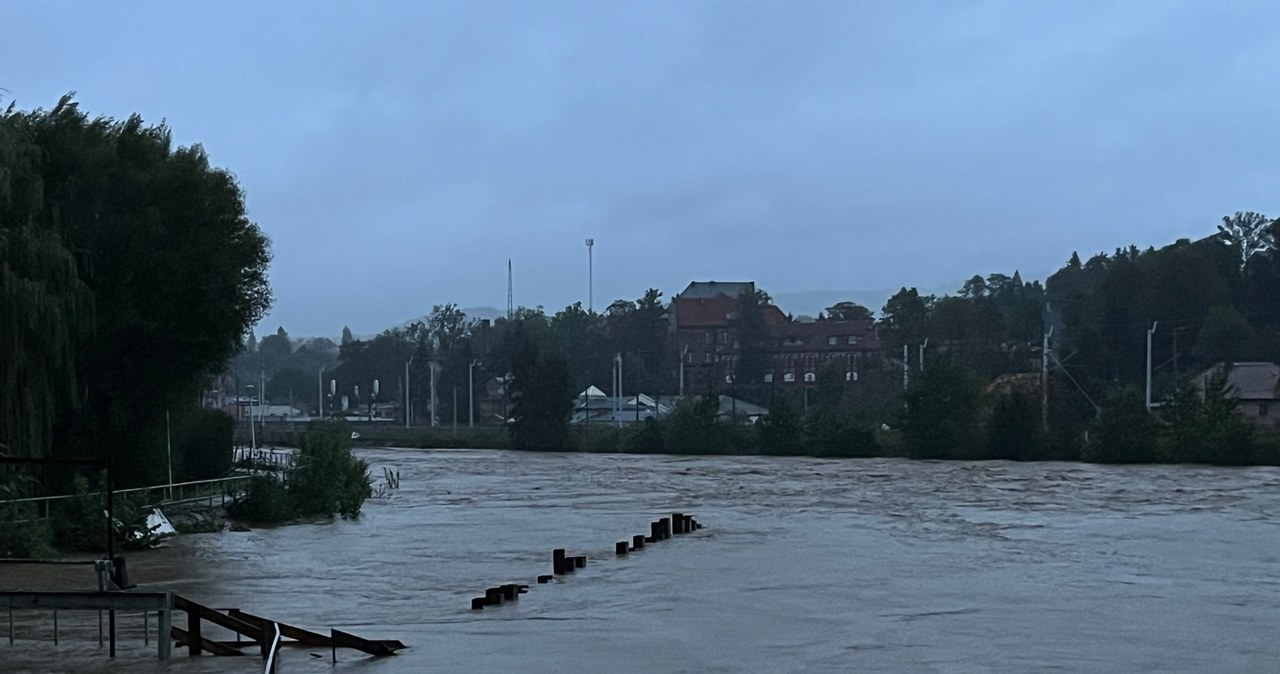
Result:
[[399, 153]]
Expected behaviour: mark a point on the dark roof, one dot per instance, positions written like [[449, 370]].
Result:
[[699, 313], [705, 290], [1251, 381], [815, 334]]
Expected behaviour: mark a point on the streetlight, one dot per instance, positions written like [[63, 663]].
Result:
[[432, 364], [408, 403], [471, 395], [590, 277], [320, 393]]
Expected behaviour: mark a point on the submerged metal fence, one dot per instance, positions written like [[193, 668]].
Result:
[[219, 490]]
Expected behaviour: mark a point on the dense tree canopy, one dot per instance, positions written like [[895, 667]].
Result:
[[108, 215]]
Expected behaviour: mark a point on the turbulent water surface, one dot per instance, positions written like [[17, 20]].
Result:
[[805, 565]]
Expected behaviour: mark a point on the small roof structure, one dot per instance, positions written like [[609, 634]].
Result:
[[1248, 381], [592, 392]]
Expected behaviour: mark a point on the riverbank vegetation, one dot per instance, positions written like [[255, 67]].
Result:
[[325, 479]]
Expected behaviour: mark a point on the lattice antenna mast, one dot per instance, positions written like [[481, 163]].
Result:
[[510, 306]]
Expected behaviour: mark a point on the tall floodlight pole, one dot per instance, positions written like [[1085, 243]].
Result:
[[1150, 332], [320, 393], [590, 277]]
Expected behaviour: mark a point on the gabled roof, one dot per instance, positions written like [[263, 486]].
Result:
[[1249, 381], [1255, 381], [706, 290]]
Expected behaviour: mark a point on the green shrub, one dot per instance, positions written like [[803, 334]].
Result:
[[830, 433], [780, 433], [647, 439], [79, 522], [1014, 430], [1124, 432], [265, 500], [327, 479], [942, 419], [22, 534]]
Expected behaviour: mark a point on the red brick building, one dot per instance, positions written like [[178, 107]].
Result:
[[705, 335]]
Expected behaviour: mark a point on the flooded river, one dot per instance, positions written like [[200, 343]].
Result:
[[805, 565]]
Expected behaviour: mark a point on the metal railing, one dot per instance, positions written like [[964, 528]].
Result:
[[269, 667], [221, 489]]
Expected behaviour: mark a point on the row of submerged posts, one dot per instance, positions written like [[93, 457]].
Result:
[[563, 563]]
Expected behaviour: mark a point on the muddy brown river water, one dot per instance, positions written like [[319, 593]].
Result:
[[805, 565]]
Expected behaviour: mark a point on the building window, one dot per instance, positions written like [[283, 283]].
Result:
[[768, 377], [706, 358], [708, 338], [851, 376], [1262, 409], [853, 339], [789, 377], [728, 379], [810, 377], [831, 341]]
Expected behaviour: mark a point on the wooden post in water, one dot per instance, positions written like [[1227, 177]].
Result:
[[620, 548], [580, 561], [677, 523], [164, 639], [666, 527], [477, 604], [637, 542], [193, 631], [557, 562]]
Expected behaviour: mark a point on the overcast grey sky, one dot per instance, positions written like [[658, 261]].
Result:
[[398, 153]]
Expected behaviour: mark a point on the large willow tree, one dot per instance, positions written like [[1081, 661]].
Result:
[[107, 214], [45, 308]]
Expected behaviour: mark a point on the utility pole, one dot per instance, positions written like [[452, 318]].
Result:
[[1044, 380], [433, 394], [618, 365], [906, 370], [408, 402], [922, 345], [1150, 332], [471, 394], [684, 354]]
